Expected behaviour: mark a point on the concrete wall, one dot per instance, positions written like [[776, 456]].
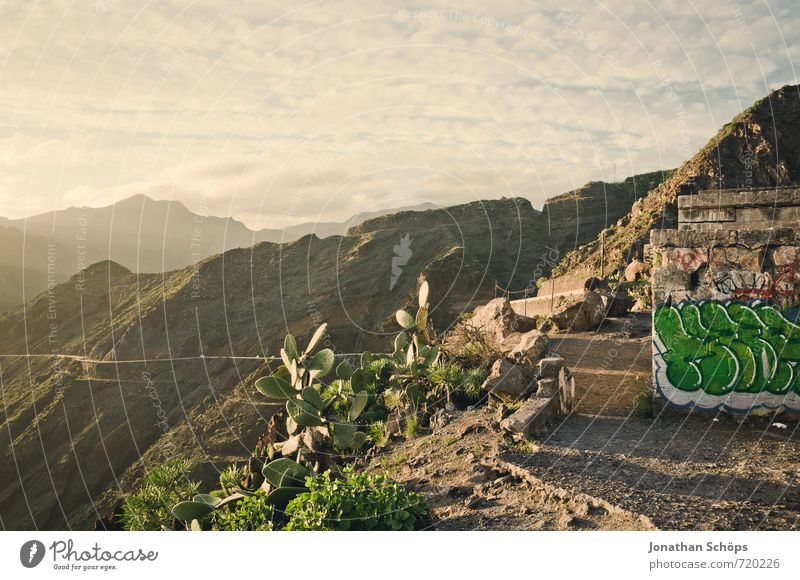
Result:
[[726, 291], [719, 210]]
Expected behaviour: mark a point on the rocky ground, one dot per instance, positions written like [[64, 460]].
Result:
[[469, 476], [603, 473]]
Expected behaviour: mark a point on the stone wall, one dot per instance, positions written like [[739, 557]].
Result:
[[726, 292]]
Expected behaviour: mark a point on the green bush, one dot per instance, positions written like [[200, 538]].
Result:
[[356, 501], [150, 507], [251, 513]]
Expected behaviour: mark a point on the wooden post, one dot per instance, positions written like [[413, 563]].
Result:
[[602, 254]]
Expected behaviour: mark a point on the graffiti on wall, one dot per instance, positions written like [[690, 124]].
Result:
[[745, 285], [730, 355]]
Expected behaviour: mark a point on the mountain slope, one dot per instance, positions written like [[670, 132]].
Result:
[[164, 375], [760, 147], [140, 233]]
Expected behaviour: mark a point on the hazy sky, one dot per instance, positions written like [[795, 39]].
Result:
[[282, 112]]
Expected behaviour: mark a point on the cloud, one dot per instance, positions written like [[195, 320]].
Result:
[[277, 114]]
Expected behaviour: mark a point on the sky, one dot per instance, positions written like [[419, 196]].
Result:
[[277, 113]]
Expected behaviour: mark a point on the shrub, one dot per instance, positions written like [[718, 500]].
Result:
[[149, 508], [377, 433], [356, 501], [251, 513]]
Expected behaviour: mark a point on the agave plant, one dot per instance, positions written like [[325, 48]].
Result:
[[313, 422]]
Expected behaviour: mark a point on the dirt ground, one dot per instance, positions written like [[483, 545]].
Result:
[[470, 479], [669, 472]]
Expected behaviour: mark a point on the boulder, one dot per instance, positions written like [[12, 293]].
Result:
[[617, 303], [580, 313], [510, 382], [535, 417], [498, 320], [531, 347], [594, 283], [550, 367], [635, 270]]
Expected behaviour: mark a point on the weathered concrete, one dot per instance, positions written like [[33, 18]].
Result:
[[534, 418], [726, 288], [730, 209]]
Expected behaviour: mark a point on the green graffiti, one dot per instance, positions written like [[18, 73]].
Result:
[[724, 347]]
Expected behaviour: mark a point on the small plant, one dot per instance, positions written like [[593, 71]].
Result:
[[643, 401], [149, 508], [471, 388], [377, 433], [250, 513], [472, 347], [356, 501], [231, 479], [411, 426]]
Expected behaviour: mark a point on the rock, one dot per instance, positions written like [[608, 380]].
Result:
[[509, 381], [439, 419], [580, 313], [551, 367], [566, 521], [636, 270], [393, 425], [498, 320], [617, 303], [474, 502], [534, 417], [315, 438], [640, 306], [547, 325], [547, 388], [531, 347]]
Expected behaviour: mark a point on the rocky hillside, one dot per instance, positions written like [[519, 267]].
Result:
[[575, 216], [760, 147]]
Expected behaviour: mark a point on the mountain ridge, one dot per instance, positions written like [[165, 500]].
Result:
[[758, 148]]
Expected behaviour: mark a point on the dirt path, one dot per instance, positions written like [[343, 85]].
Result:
[[682, 472], [467, 488], [671, 472]]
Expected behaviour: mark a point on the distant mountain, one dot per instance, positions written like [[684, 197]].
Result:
[[73, 434], [759, 148], [140, 233]]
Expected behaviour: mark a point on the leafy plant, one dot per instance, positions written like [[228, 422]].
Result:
[[314, 422], [250, 513], [355, 501], [149, 508], [284, 480]]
